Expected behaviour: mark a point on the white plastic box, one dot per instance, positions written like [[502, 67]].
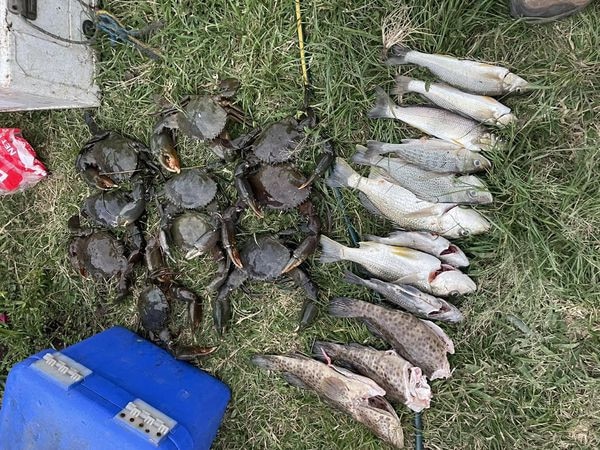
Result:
[[38, 71]]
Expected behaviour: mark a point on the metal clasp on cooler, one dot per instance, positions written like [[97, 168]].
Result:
[[62, 369], [146, 420]]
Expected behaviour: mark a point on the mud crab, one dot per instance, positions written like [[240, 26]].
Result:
[[154, 304], [190, 189], [264, 258], [201, 117], [101, 256], [108, 158]]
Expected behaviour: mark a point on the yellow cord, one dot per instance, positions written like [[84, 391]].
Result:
[[301, 43]]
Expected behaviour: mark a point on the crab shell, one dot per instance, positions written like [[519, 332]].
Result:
[[99, 256], [279, 186], [190, 189], [188, 228], [202, 118], [279, 142], [114, 208], [113, 154], [264, 258], [153, 309]]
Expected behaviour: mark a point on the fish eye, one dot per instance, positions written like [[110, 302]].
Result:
[[518, 90], [477, 163], [472, 193], [463, 233], [454, 294]]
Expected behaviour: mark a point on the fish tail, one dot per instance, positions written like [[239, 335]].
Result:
[[342, 175], [331, 251], [362, 156], [352, 278], [398, 55], [384, 106], [344, 307], [376, 147], [402, 85], [265, 362]]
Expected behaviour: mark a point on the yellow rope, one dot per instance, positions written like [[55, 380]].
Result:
[[301, 44]]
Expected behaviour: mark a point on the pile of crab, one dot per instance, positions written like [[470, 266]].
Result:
[[147, 210]]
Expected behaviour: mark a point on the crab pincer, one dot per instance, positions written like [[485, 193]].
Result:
[[244, 189], [309, 244], [162, 146], [228, 219], [325, 161]]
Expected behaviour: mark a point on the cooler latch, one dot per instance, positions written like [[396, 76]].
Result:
[[147, 420], [62, 369]]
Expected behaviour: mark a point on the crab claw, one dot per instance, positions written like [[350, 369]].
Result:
[[162, 146], [170, 161], [228, 236], [304, 250], [189, 352], [325, 161]]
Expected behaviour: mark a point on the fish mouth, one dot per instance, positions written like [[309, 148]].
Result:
[[506, 119], [418, 391], [380, 403]]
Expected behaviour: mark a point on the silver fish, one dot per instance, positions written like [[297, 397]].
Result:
[[401, 265], [403, 382], [481, 108], [358, 396], [405, 209], [431, 243], [426, 185], [434, 154], [421, 342], [410, 299], [472, 76], [436, 122]]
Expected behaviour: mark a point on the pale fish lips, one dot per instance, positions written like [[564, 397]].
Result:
[[461, 222], [455, 256]]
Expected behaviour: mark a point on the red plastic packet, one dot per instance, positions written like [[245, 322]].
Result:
[[19, 167]]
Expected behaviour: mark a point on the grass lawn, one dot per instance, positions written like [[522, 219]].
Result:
[[527, 368]]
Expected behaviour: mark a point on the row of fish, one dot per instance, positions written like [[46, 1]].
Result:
[[421, 185]]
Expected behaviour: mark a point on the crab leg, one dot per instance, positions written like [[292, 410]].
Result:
[[193, 302], [224, 264], [221, 304], [309, 307], [228, 235]]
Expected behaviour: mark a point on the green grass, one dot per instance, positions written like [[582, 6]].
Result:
[[526, 363]]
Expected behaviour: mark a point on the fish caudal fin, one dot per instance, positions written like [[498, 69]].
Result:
[[402, 85], [342, 174], [352, 278], [362, 156], [331, 251], [397, 55], [384, 106], [343, 307], [376, 147]]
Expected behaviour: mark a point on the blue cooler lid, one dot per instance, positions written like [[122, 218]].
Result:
[[113, 390]]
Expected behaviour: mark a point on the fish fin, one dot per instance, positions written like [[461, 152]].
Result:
[[361, 156], [441, 334], [377, 173], [341, 174], [352, 278], [264, 362], [402, 85], [331, 251], [294, 380], [398, 55], [376, 147], [368, 205], [383, 108], [373, 329], [343, 307], [334, 387]]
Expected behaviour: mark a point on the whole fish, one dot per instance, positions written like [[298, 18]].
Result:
[[358, 396], [410, 299], [405, 209], [421, 342], [403, 382], [436, 122], [472, 76], [431, 243], [426, 185], [401, 265], [483, 109], [435, 155]]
